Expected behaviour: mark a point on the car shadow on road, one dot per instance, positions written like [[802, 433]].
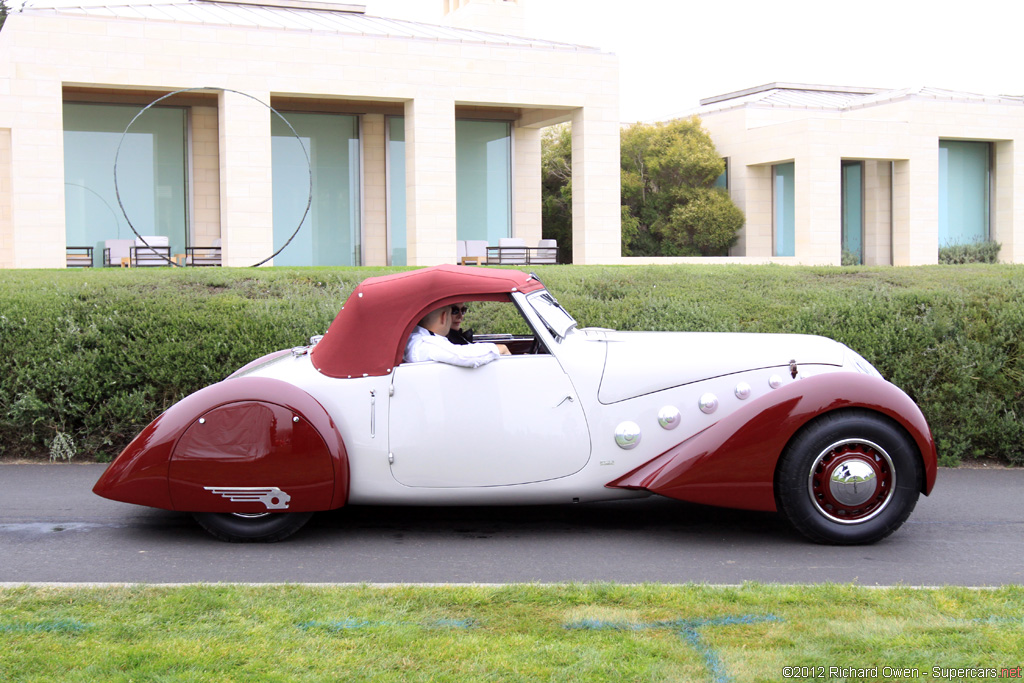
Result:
[[654, 516]]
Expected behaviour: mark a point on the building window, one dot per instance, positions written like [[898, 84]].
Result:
[[784, 214], [483, 181], [151, 175], [964, 192], [396, 191], [483, 178], [331, 234], [853, 213], [722, 181]]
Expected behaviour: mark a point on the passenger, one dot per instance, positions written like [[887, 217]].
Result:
[[457, 335], [429, 341]]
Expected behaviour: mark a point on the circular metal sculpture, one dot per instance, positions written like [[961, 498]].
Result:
[[117, 154]]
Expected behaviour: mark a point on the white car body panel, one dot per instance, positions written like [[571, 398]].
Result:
[[644, 362], [513, 421]]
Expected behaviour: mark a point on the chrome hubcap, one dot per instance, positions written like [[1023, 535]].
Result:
[[851, 481]]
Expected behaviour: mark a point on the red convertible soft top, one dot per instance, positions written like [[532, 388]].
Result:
[[369, 334]]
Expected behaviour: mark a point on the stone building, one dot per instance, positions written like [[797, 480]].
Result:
[[882, 176], [416, 135]]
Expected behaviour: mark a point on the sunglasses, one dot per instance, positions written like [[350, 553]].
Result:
[[459, 311]]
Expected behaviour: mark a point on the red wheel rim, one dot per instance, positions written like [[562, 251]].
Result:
[[851, 481]]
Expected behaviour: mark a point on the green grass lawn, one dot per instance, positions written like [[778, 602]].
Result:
[[595, 632]]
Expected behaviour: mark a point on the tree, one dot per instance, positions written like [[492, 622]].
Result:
[[670, 204], [556, 188], [704, 225], [3, 12]]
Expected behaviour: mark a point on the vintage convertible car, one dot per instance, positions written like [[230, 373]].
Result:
[[797, 424]]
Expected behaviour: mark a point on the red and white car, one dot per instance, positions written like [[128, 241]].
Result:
[[797, 424]]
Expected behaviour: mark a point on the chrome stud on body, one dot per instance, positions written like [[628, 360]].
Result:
[[627, 435], [742, 391], [775, 381], [669, 417], [708, 403]]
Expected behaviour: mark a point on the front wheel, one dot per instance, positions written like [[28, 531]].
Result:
[[848, 478], [264, 527]]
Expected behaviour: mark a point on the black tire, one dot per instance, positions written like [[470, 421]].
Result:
[[848, 477], [267, 527]]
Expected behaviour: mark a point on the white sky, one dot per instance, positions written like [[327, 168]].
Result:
[[672, 53]]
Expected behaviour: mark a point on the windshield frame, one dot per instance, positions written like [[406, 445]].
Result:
[[556, 319]]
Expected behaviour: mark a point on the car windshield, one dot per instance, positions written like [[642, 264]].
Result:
[[555, 318]]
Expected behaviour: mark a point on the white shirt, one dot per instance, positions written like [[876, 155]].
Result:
[[425, 345]]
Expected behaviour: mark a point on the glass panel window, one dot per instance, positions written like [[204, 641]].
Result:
[[331, 233], [483, 180], [396, 191], [784, 200], [964, 192], [853, 212], [151, 175], [483, 177], [722, 181]]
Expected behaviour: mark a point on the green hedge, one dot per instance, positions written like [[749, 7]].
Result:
[[94, 355], [976, 252]]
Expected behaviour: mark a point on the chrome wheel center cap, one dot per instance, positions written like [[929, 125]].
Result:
[[853, 483]]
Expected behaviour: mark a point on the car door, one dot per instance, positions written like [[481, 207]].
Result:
[[512, 421]]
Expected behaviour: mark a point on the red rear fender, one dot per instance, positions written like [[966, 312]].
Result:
[[250, 444]]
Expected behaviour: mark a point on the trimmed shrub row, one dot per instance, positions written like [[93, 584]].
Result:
[[95, 355], [975, 252]]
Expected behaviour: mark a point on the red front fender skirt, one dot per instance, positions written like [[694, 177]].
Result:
[[732, 463], [250, 444]]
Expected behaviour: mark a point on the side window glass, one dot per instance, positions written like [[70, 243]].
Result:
[[496, 317], [502, 322]]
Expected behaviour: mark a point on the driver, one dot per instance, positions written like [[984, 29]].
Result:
[[429, 342]]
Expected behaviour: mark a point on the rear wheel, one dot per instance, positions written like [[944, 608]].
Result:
[[848, 477], [263, 527]]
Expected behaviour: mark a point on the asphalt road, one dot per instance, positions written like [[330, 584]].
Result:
[[970, 531]]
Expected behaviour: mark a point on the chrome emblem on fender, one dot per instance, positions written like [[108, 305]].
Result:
[[271, 496]]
